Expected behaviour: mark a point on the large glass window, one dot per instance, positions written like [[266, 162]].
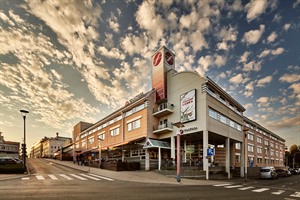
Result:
[[134, 125], [115, 132]]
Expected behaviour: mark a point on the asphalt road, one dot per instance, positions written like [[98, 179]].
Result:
[[51, 181]]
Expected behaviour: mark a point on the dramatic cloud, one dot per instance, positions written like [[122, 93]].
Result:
[[262, 82], [255, 8], [272, 37], [237, 79], [253, 36], [290, 78], [263, 101]]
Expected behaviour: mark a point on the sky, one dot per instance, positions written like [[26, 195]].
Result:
[[69, 61]]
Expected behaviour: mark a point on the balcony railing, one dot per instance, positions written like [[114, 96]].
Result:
[[163, 128], [163, 109]]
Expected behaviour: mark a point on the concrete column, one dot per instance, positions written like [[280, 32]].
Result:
[[242, 159], [159, 158], [173, 153], [205, 147], [147, 160], [227, 160], [184, 153]]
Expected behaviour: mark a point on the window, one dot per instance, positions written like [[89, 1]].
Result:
[[101, 136], [212, 113], [115, 132], [238, 127], [266, 142], [259, 150], [91, 140], [259, 140], [250, 148], [250, 136], [223, 119], [237, 158], [237, 145], [259, 160], [231, 123], [134, 125], [83, 143]]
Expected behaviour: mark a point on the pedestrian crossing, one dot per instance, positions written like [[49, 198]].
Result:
[[295, 195], [68, 177]]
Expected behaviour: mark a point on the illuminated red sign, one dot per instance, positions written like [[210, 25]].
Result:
[[169, 58], [157, 58]]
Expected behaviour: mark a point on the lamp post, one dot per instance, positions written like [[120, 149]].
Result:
[[24, 112], [178, 125], [245, 130], [99, 144]]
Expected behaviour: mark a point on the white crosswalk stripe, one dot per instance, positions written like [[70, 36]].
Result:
[[224, 184], [66, 177], [53, 177], [279, 192], [261, 190], [96, 179], [102, 177], [233, 186], [79, 177], [38, 177], [246, 188]]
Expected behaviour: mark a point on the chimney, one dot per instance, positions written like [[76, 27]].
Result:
[[56, 134]]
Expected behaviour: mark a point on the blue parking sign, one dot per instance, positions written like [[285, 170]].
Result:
[[210, 152]]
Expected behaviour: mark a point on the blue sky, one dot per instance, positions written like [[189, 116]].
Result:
[[70, 61]]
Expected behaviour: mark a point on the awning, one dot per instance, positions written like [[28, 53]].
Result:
[[150, 143]]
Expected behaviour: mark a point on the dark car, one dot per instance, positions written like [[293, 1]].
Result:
[[7, 160], [283, 172], [295, 171]]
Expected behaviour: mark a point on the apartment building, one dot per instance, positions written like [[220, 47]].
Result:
[[144, 128], [9, 148]]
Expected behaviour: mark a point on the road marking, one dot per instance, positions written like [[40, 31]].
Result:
[[102, 177], [66, 177], [79, 177], [40, 178], [53, 177], [25, 178], [96, 179], [233, 186], [297, 194], [220, 185], [246, 188], [261, 190], [279, 192]]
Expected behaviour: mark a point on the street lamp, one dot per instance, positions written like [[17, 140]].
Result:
[[24, 112], [178, 125], [99, 144], [245, 131]]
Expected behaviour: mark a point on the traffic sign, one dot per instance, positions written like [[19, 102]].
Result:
[[210, 152]]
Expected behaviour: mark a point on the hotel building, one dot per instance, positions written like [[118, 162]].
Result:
[[143, 129]]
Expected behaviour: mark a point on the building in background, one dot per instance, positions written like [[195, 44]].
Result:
[[143, 131], [8, 148], [46, 147]]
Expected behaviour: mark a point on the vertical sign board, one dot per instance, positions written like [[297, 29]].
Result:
[[188, 106], [162, 61]]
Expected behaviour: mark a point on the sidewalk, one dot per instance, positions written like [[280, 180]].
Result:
[[135, 176]]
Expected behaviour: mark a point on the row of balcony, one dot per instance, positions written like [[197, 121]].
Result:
[[162, 110]]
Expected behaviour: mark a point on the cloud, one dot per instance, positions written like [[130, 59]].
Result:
[[274, 52], [277, 51], [296, 3], [113, 23], [249, 89], [220, 60], [290, 78], [112, 53], [133, 44], [253, 36], [263, 102], [248, 106], [244, 57], [272, 37], [286, 27], [255, 8], [262, 82], [237, 79], [252, 66]]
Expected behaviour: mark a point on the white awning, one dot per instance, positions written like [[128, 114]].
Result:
[[150, 143]]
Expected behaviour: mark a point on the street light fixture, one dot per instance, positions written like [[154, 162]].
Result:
[[24, 112], [245, 131], [180, 126], [99, 144]]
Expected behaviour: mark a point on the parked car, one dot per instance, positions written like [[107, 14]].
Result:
[[283, 172], [295, 171], [268, 172], [7, 160]]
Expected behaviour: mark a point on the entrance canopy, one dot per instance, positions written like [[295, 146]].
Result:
[[150, 143]]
